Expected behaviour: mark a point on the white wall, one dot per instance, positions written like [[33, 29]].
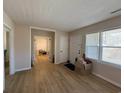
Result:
[[19, 45], [75, 46], [22, 47], [41, 43], [77, 41], [61, 46]]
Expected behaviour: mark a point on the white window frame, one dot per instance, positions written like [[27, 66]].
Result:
[[92, 46], [100, 52]]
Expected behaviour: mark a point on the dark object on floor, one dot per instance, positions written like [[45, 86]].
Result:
[[68, 61], [70, 66], [42, 52]]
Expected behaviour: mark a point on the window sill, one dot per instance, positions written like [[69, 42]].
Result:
[[111, 64], [106, 63]]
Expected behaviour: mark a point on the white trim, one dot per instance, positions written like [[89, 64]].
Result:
[[46, 29], [11, 63], [113, 82], [112, 46], [22, 69], [100, 47], [7, 26], [105, 63], [113, 28], [59, 63], [111, 64], [55, 48], [30, 47]]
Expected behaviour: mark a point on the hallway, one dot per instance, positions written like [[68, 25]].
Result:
[[46, 77], [41, 58]]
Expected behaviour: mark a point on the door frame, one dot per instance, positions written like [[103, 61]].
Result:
[[44, 29], [11, 51], [33, 38]]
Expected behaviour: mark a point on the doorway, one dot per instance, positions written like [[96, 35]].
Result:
[[6, 51], [42, 46]]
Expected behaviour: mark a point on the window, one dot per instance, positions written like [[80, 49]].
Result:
[[111, 46], [92, 45], [108, 49]]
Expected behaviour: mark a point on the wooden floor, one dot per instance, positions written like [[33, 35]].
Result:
[[46, 77]]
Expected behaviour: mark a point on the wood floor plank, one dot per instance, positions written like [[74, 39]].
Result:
[[46, 77]]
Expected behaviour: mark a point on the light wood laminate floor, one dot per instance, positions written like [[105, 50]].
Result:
[[46, 77]]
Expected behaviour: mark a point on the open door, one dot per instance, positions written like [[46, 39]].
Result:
[[50, 52]]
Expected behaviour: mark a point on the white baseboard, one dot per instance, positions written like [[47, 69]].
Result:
[[60, 62], [114, 83], [22, 69]]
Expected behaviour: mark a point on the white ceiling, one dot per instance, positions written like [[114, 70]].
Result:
[[61, 15]]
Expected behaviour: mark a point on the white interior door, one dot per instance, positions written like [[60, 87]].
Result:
[[50, 48], [34, 49], [63, 51]]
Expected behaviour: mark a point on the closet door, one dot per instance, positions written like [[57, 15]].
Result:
[[63, 51], [50, 54]]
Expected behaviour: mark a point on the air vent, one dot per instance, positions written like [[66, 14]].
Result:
[[118, 10]]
